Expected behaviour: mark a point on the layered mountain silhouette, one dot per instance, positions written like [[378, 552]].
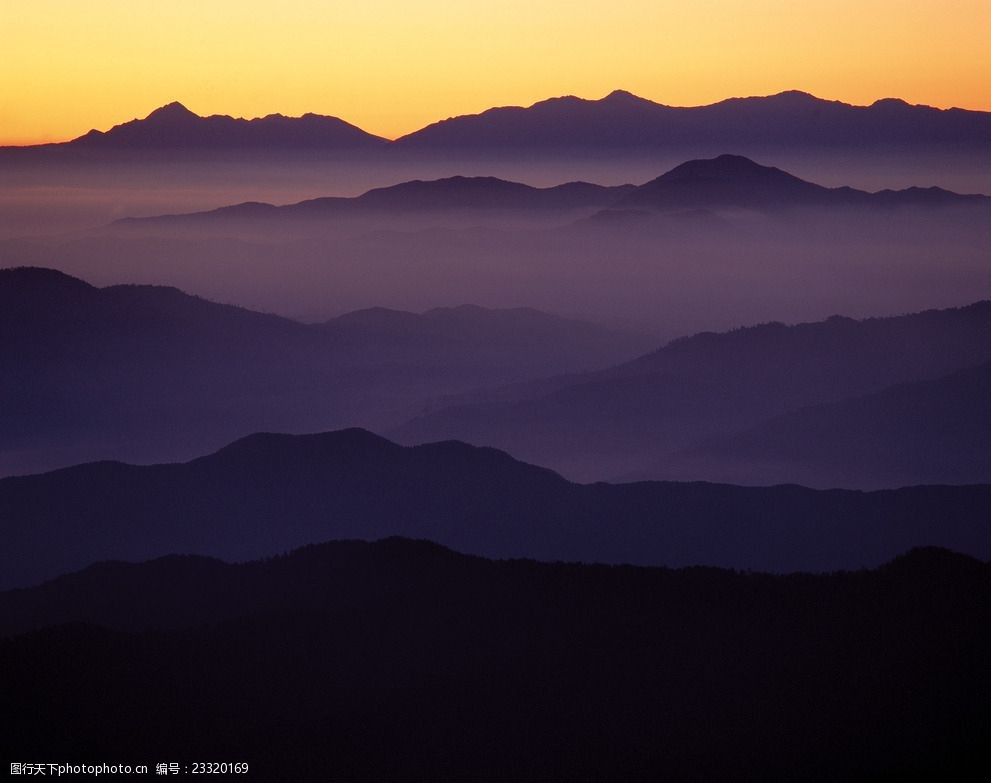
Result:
[[342, 606], [629, 420], [269, 493], [933, 431], [619, 123], [451, 194], [729, 180], [145, 374], [176, 127], [402, 660], [622, 121], [150, 373], [737, 181], [709, 184]]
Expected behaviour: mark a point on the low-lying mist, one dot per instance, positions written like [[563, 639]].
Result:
[[671, 275]]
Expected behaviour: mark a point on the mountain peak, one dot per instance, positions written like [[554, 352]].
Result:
[[795, 97], [171, 111], [173, 126], [721, 167], [724, 181], [623, 95], [890, 103]]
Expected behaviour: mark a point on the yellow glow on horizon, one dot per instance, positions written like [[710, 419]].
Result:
[[392, 66]]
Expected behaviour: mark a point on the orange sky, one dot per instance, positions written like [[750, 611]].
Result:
[[392, 66]]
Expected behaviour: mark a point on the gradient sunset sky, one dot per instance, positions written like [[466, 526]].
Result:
[[392, 66]]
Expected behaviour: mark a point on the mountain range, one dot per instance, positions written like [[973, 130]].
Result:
[[623, 121], [881, 402], [175, 127], [618, 124], [402, 660], [150, 373], [450, 194], [927, 431], [269, 493], [724, 182], [765, 404], [423, 542]]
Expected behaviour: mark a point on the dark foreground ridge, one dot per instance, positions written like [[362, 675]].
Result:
[[402, 660], [268, 493]]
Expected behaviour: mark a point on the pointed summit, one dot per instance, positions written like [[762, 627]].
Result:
[[171, 111], [175, 127]]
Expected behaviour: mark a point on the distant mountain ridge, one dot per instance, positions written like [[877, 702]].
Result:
[[618, 123], [928, 431], [715, 183], [624, 421], [449, 194], [733, 180], [174, 126], [83, 366], [622, 121]]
